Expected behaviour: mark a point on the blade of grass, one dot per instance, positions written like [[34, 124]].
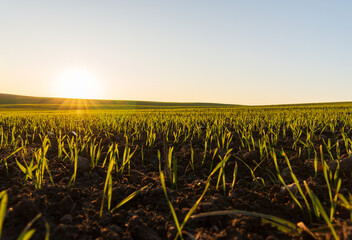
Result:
[[27, 233], [128, 198], [3, 205], [284, 223], [320, 207], [173, 213]]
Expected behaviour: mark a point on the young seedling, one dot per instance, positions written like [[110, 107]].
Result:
[[222, 171], [107, 187], [281, 224], [298, 187], [319, 207], [3, 206], [128, 198], [234, 176], [75, 161], [346, 203], [173, 213], [190, 212]]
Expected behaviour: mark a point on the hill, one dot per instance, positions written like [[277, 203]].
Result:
[[10, 101]]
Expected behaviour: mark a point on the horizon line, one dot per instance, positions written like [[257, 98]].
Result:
[[195, 102]]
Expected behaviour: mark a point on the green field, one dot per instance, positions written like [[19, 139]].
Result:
[[17, 102], [147, 170]]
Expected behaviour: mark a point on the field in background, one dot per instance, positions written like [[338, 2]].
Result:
[[16, 102], [192, 172]]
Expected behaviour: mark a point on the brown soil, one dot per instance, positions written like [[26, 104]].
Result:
[[73, 212]]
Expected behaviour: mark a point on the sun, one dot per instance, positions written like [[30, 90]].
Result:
[[77, 83]]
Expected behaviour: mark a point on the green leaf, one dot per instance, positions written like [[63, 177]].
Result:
[[179, 230], [319, 206], [131, 196], [3, 206], [27, 233], [282, 222]]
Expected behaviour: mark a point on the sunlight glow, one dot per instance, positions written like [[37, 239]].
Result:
[[77, 84]]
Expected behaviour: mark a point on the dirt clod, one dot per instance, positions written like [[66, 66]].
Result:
[[139, 229], [66, 219]]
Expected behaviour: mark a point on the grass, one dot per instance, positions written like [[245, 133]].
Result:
[[3, 205], [283, 224]]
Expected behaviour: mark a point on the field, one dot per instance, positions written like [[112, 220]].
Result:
[[220, 172]]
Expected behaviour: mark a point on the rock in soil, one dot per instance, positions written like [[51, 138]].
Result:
[[25, 210], [346, 167], [66, 219], [112, 232], [139, 229], [83, 166], [251, 155], [65, 205]]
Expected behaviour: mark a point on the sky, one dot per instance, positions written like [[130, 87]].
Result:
[[251, 52]]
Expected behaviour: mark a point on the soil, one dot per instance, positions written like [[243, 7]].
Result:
[[73, 212]]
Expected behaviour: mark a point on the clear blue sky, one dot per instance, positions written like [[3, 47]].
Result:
[[241, 52]]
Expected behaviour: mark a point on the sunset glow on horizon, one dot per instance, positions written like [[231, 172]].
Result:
[[77, 83]]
